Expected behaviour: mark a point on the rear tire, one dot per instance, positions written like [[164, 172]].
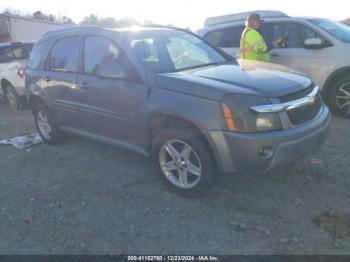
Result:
[[340, 98], [183, 162], [12, 98], [46, 125]]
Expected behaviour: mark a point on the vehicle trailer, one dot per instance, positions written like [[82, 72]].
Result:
[[17, 37]]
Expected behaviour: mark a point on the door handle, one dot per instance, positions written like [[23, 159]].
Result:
[[274, 54], [83, 85], [47, 79]]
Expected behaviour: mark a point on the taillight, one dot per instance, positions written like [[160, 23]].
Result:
[[21, 72]]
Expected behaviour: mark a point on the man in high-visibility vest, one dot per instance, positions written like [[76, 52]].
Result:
[[253, 45]]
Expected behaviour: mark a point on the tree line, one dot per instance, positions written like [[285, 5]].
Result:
[[92, 19]]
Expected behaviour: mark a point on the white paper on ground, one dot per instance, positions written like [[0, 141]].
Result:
[[23, 141]]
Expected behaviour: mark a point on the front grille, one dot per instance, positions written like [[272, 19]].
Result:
[[297, 95], [306, 113]]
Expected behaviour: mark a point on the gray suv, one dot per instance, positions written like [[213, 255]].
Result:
[[167, 94]]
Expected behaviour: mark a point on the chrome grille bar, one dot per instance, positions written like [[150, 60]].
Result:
[[287, 106]]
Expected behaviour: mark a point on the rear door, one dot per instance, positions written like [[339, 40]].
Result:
[[6, 55], [59, 80], [227, 39], [108, 103], [292, 52]]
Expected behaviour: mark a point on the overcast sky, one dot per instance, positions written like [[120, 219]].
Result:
[[182, 13]]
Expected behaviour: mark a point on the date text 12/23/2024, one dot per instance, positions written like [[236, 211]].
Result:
[[173, 258]]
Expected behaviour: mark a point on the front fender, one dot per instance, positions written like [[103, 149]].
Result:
[[204, 113]]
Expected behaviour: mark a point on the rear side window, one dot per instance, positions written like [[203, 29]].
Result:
[[22, 51], [15, 52], [37, 55], [214, 37], [228, 37], [65, 54], [266, 32], [6, 54]]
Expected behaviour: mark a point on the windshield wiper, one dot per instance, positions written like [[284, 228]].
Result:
[[200, 65]]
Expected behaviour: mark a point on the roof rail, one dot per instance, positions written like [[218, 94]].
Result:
[[166, 27], [242, 16], [75, 28]]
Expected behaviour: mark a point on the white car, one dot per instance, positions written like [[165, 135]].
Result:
[[316, 46], [13, 58]]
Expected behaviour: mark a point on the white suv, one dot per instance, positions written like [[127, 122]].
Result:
[[318, 47], [13, 58]]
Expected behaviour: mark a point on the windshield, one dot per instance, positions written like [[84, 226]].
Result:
[[336, 29], [170, 51]]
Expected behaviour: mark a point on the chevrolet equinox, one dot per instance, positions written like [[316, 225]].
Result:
[[167, 94]]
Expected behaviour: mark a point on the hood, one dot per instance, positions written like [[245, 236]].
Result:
[[246, 77]]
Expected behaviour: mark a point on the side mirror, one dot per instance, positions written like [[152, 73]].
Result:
[[313, 43], [111, 70]]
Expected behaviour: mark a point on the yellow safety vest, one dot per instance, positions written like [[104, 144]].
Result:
[[252, 39]]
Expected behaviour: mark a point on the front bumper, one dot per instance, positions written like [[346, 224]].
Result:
[[237, 152]]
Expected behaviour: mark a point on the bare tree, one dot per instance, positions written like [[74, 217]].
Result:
[[109, 22], [39, 15]]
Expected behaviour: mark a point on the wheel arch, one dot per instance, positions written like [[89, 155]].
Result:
[[4, 84], [160, 121], [34, 100]]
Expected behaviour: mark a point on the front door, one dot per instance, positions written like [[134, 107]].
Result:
[[109, 102], [292, 51]]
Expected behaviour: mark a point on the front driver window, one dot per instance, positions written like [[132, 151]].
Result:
[[172, 50], [291, 34], [308, 33], [97, 51]]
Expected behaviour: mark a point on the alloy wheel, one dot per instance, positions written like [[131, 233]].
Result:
[[43, 125], [11, 98], [342, 98], [180, 164]]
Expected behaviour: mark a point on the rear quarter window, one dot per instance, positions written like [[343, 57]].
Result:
[[37, 54]]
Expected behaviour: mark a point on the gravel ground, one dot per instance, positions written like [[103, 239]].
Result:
[[81, 197]]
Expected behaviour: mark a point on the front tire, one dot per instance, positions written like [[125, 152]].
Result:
[[12, 98], [183, 162], [340, 98], [46, 125]]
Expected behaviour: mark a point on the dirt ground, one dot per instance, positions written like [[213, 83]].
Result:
[[81, 197]]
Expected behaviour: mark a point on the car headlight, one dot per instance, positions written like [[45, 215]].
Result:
[[239, 117]]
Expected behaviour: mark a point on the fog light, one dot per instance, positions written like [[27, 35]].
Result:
[[265, 152]]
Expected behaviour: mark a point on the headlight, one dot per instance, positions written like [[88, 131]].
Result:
[[239, 117], [267, 122]]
